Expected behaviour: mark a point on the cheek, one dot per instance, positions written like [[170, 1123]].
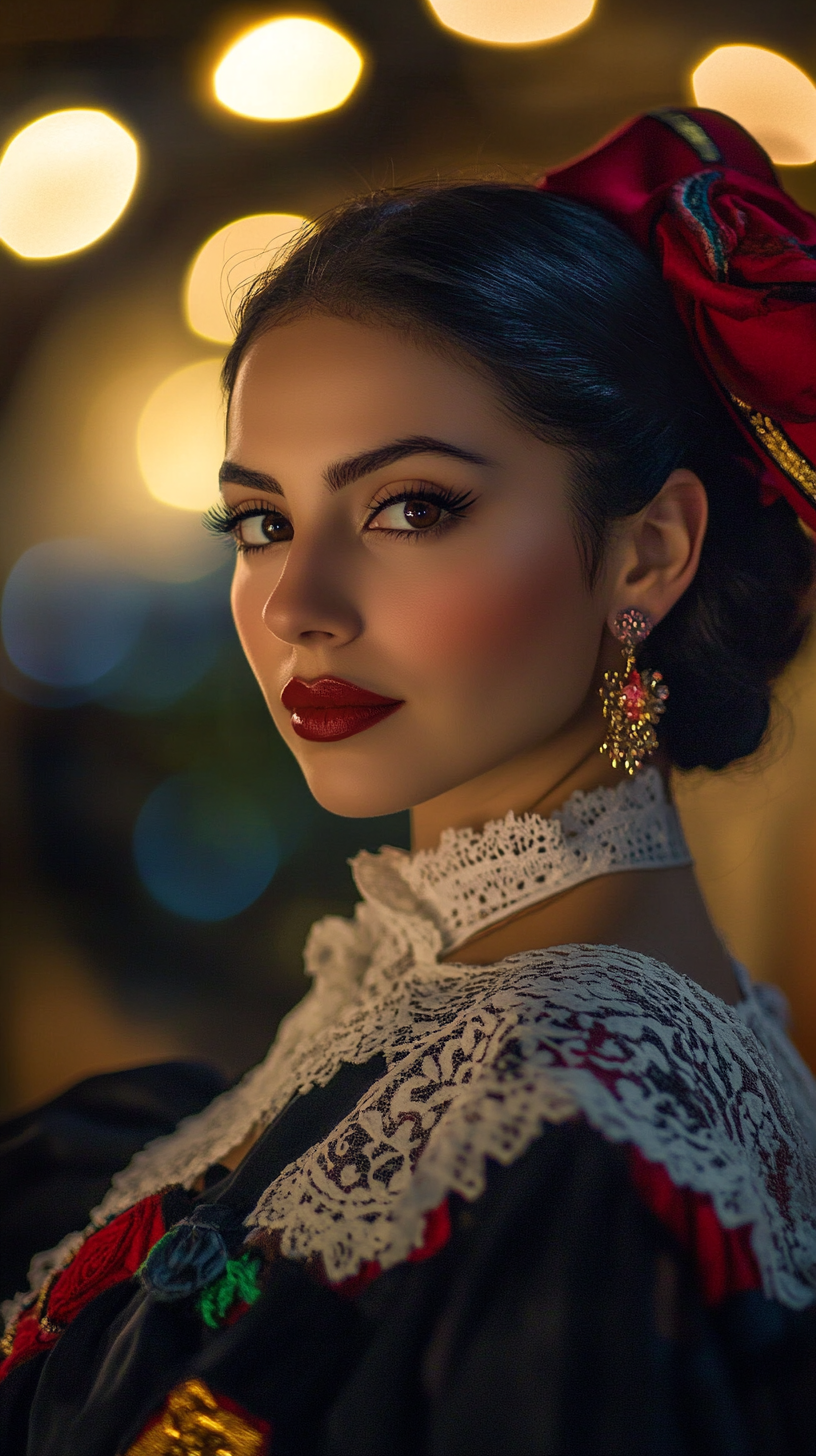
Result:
[[531, 603], [251, 589], [241, 600]]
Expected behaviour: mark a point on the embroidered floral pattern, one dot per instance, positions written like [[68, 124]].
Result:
[[107, 1257], [111, 1254]]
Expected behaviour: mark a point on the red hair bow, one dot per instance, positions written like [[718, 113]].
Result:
[[700, 196]]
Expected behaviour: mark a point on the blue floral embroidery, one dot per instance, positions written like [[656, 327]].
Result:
[[192, 1254]]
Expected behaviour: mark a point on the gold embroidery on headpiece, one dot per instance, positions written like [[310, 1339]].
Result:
[[194, 1424], [782, 451], [691, 132]]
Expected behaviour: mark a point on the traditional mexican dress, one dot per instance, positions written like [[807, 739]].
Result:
[[565, 1203]]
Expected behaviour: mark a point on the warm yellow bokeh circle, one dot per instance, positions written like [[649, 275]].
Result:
[[64, 180], [225, 266], [180, 437], [287, 68], [767, 94], [512, 22]]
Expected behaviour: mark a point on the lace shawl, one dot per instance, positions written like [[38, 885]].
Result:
[[479, 1058]]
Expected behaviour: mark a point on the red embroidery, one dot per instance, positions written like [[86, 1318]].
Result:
[[111, 1255], [30, 1339], [723, 1258], [437, 1233]]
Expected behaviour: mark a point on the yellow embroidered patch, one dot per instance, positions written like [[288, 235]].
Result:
[[193, 1423]]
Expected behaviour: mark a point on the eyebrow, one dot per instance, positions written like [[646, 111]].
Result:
[[234, 474], [346, 472]]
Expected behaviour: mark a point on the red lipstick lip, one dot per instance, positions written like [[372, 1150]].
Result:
[[328, 709], [331, 692]]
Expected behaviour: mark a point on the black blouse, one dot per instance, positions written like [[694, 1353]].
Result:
[[559, 1319]]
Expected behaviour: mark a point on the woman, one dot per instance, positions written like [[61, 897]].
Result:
[[532, 1168]]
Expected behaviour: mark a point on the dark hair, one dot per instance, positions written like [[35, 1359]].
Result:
[[577, 330]]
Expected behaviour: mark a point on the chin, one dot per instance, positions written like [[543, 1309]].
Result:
[[355, 795], [368, 775], [351, 781], [357, 781]]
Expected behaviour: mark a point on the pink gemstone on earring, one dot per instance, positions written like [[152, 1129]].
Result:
[[634, 696]]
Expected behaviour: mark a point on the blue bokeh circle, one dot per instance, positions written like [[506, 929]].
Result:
[[204, 849], [70, 613]]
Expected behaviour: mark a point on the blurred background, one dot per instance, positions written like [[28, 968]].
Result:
[[161, 858]]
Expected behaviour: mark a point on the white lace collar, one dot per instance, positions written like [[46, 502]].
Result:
[[479, 1058], [478, 878]]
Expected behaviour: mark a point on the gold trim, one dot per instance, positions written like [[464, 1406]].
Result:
[[691, 132], [7, 1342], [782, 451], [192, 1423]]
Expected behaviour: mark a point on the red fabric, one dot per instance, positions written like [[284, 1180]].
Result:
[[29, 1340], [738, 254], [111, 1255], [437, 1233], [724, 1260]]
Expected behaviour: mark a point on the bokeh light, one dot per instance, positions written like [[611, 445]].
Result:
[[180, 437], [64, 180], [765, 93], [204, 849], [185, 630], [223, 269], [512, 22], [70, 613], [286, 69]]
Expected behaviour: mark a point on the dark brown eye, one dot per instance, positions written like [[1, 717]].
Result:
[[414, 514], [276, 527], [255, 531], [421, 513]]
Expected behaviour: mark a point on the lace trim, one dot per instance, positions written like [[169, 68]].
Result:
[[645, 1055], [477, 1065], [364, 969], [479, 1058], [475, 879]]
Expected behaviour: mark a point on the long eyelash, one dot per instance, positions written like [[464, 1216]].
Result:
[[224, 520], [220, 519], [454, 502]]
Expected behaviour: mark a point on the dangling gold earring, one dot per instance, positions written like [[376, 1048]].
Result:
[[633, 701]]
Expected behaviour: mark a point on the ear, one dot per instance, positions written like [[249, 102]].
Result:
[[657, 552]]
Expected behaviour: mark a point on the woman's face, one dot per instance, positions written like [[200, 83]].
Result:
[[398, 534]]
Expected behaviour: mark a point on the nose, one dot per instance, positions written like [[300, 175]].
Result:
[[313, 600]]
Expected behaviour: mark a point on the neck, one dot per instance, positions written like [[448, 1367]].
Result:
[[536, 781]]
